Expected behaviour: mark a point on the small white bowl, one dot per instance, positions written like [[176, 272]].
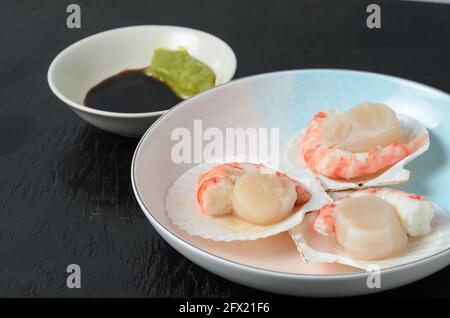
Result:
[[89, 61]]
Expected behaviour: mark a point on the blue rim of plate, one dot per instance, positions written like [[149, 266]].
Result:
[[148, 213]]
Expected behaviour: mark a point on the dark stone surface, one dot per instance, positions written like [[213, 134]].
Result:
[[65, 188]]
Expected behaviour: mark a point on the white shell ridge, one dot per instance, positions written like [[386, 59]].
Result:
[[396, 174], [185, 212], [436, 239]]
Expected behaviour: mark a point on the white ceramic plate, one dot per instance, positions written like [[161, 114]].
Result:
[[287, 101]]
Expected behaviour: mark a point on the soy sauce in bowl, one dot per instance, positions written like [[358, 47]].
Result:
[[131, 91]]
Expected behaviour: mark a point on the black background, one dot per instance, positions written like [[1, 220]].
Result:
[[65, 193]]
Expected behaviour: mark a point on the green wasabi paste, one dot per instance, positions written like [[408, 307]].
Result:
[[184, 74]]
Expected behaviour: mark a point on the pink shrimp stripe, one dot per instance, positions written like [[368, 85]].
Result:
[[217, 173], [332, 162], [324, 222]]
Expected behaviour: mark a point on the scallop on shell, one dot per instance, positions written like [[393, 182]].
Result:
[[396, 174], [185, 212], [318, 248]]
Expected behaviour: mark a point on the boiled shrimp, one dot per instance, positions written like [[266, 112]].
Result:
[[328, 160], [215, 187]]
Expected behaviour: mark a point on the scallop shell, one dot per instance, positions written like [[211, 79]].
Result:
[[184, 211], [396, 174], [438, 240]]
